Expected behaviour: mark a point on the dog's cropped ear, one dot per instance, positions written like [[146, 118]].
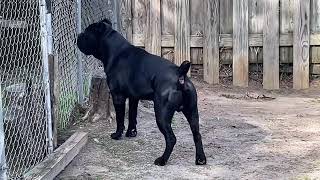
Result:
[[103, 26], [107, 21]]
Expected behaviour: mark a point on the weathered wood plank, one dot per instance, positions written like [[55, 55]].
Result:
[[55, 97], [167, 17], [286, 26], [226, 16], [59, 159], [153, 35], [226, 40], [315, 16], [315, 28], [167, 26], [211, 42], [315, 69], [139, 20], [256, 8], [197, 23], [182, 31], [315, 54], [125, 23], [226, 27], [255, 27], [271, 45], [168, 53], [240, 43], [301, 44]]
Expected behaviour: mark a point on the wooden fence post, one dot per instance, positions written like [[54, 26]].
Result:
[[271, 45], [182, 32], [125, 21], [3, 166], [301, 44], [240, 43], [315, 29], [153, 34], [211, 42], [167, 26]]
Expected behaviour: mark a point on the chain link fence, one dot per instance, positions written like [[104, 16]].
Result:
[[21, 78], [22, 73], [64, 29], [93, 11], [65, 50]]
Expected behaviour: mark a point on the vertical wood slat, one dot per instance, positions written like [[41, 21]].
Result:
[[182, 32], [125, 21], [240, 43], [255, 19], [301, 44], [139, 14], [167, 26], [271, 45], [225, 15], [54, 92], [211, 42], [286, 26], [153, 35], [226, 23], [196, 28], [315, 28]]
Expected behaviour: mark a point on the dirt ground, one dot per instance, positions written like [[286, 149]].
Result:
[[247, 134]]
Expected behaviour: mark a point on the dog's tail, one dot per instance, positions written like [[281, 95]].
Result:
[[182, 72], [177, 97], [184, 68]]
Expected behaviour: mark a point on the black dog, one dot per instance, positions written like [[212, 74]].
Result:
[[135, 74]]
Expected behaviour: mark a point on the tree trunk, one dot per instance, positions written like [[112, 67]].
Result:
[[100, 101]]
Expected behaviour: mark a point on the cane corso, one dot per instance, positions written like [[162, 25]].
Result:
[[138, 75]]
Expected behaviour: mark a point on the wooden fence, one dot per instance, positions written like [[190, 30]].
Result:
[[284, 31]]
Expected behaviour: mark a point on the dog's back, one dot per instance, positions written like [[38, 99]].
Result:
[[140, 73]]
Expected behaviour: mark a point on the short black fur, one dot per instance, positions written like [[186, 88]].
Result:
[[134, 74]]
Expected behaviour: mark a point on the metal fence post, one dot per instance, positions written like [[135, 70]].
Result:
[[3, 167], [78, 55], [45, 61], [115, 15]]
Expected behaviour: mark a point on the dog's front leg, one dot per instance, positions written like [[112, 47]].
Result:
[[119, 103]]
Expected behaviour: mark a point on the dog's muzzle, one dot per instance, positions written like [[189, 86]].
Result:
[[83, 43]]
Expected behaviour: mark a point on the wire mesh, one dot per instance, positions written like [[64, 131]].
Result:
[[93, 11], [64, 38], [22, 85], [21, 73]]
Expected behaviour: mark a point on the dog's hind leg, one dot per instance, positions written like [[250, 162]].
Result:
[[193, 119], [119, 103], [132, 127], [190, 110], [164, 116]]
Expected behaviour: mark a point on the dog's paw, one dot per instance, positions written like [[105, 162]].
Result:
[[116, 135], [201, 160], [131, 133], [160, 161]]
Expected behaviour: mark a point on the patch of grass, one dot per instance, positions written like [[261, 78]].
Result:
[[67, 103], [86, 86]]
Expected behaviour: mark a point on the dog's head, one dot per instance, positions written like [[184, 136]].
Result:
[[88, 41]]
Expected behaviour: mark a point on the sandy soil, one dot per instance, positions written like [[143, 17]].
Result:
[[247, 134]]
